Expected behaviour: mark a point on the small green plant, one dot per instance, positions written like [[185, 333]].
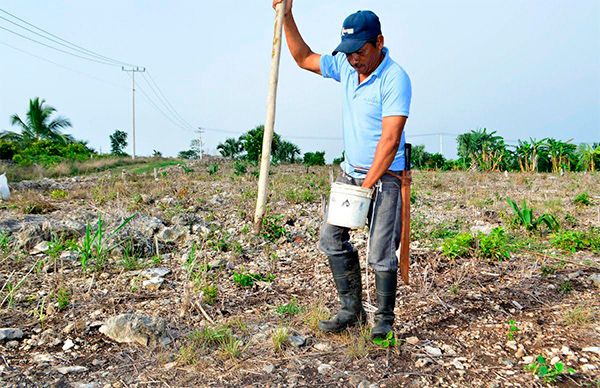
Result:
[[548, 270], [273, 227], [494, 245], [583, 199], [212, 168], [313, 314], [512, 330], [524, 217], [209, 292], [4, 241], [547, 372], [359, 347], [574, 240], [457, 246], [239, 168], [565, 287], [387, 342], [291, 308], [231, 347], [63, 298], [58, 194], [40, 312], [247, 279], [280, 339], [93, 246], [130, 261]]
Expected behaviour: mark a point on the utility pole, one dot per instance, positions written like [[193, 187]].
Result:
[[133, 70], [442, 144], [200, 131]]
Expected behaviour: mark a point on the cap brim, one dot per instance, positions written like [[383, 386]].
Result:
[[348, 46]]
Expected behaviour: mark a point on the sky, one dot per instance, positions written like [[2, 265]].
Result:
[[521, 68]]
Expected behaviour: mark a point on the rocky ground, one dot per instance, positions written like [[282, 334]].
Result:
[[185, 294]]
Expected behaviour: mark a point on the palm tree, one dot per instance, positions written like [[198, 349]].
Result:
[[230, 148], [528, 152], [38, 125], [286, 152]]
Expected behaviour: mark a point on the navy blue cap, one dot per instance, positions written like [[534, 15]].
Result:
[[358, 29]]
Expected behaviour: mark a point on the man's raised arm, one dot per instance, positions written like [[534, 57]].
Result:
[[302, 54]]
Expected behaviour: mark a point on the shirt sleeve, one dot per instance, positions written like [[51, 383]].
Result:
[[396, 95], [330, 66]]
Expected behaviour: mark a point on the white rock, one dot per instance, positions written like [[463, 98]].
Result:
[[71, 369], [595, 278], [457, 364], [421, 362], [588, 367], [153, 284], [10, 333], [42, 358], [412, 340], [132, 328], [68, 345], [324, 368], [448, 350], [554, 360], [323, 347], [269, 368], [512, 345], [159, 272], [40, 248], [565, 351], [435, 352], [592, 349], [528, 359]]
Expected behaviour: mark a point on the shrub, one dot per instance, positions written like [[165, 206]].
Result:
[[273, 227], [582, 199], [457, 246], [494, 245], [573, 240]]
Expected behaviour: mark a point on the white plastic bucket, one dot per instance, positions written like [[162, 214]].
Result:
[[348, 205]]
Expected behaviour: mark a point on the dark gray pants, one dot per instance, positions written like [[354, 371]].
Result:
[[384, 222]]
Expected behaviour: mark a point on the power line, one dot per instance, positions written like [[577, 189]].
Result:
[[168, 102], [74, 46], [63, 66], [165, 103], [57, 49]]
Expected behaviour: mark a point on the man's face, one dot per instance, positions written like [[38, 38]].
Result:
[[366, 60]]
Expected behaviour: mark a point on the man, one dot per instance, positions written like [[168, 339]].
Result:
[[376, 103]]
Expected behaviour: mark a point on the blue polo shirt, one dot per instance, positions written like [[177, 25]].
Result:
[[386, 92]]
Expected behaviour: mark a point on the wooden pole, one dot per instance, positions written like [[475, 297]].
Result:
[[265, 160]]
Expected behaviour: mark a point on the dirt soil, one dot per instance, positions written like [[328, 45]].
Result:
[[452, 319]]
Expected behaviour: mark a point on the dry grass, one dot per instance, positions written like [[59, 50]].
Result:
[[580, 316]]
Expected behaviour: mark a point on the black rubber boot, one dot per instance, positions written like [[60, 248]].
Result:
[[385, 284], [346, 274]]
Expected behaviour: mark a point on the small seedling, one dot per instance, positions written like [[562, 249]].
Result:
[[209, 293], [548, 373], [494, 245], [273, 227], [247, 279], [512, 330], [212, 168], [565, 287], [58, 194], [524, 217], [239, 168], [4, 242], [280, 339], [63, 298], [291, 308], [583, 199], [387, 342]]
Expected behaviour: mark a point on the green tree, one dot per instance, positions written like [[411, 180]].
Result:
[[231, 148], [528, 153], [38, 125], [562, 154], [188, 154], [314, 159], [588, 154], [252, 142], [286, 152], [118, 142]]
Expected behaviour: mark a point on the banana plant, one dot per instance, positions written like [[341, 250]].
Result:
[[587, 155], [524, 217]]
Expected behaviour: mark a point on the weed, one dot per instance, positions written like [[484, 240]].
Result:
[[547, 372], [239, 167], [548, 270], [156, 260], [312, 315], [40, 312], [571, 240], [580, 316], [231, 347], [245, 229], [247, 279], [212, 168], [4, 241], [494, 245], [443, 231], [291, 308], [280, 339], [582, 199], [92, 245], [63, 298], [273, 227], [209, 294], [512, 330], [457, 246], [565, 287], [130, 261], [524, 217], [359, 347], [58, 194], [387, 342]]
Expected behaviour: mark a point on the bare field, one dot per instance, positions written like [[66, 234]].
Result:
[[240, 309]]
